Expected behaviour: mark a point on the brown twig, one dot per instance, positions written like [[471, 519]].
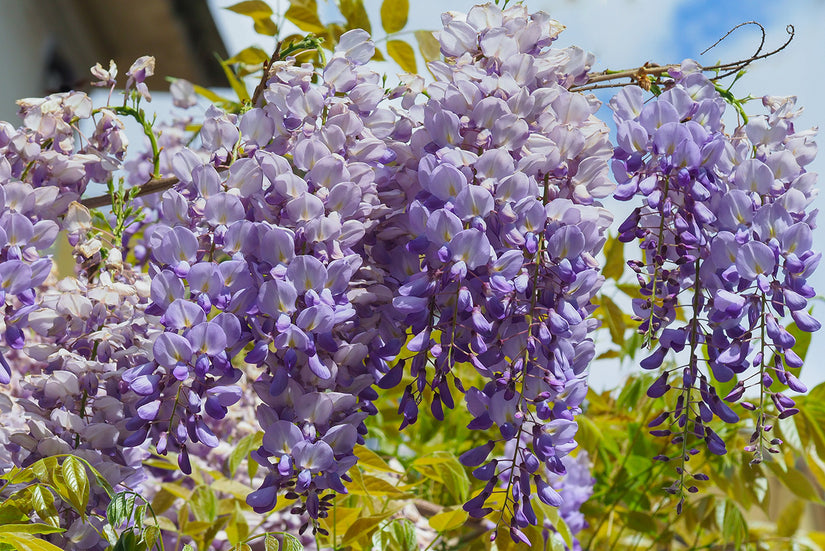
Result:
[[154, 185], [640, 74], [259, 90]]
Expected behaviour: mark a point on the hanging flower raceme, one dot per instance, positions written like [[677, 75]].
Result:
[[723, 223], [495, 252]]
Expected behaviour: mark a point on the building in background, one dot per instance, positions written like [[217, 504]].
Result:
[[49, 45]]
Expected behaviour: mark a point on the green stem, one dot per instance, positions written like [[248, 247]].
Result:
[[651, 333], [140, 117], [694, 334]]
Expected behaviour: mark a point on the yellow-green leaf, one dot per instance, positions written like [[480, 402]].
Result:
[[163, 500], [242, 449], [614, 318], [445, 468], [256, 9], [394, 15], [796, 482], [237, 84], [371, 460], [210, 95], [27, 542], [403, 54], [33, 528], [250, 56], [734, 527], [355, 14], [266, 27], [377, 487], [614, 259], [291, 543], [43, 505], [204, 504], [237, 489], [237, 530], [11, 513], [429, 45], [77, 482], [341, 519], [163, 523], [788, 522], [448, 519], [271, 543], [304, 14], [151, 534], [363, 528], [552, 514], [177, 490]]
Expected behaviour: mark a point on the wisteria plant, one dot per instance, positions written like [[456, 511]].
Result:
[[351, 310]]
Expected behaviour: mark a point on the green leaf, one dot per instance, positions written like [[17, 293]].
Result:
[[355, 14], [120, 509], [429, 45], [304, 14], [448, 519], [188, 547], [614, 318], [176, 489], [26, 542], [10, 513], [256, 9], [371, 460], [271, 543], [614, 259], [151, 534], [204, 504], [237, 529], [394, 15], [249, 56], [398, 535], [46, 470], [232, 487], [211, 96], [266, 27], [734, 527], [403, 54], [445, 468], [788, 522], [796, 481], [361, 528], [237, 84], [291, 543], [43, 504], [77, 482], [242, 449], [33, 528], [552, 514]]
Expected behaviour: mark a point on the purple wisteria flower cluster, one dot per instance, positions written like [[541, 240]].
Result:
[[494, 254], [335, 238], [68, 339], [724, 221]]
